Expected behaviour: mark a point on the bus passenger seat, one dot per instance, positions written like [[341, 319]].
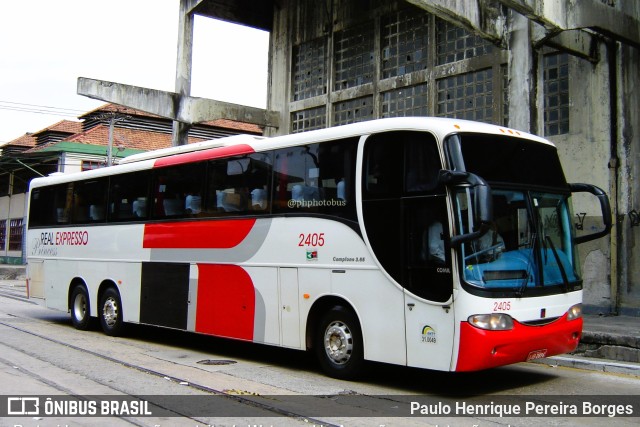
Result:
[[172, 207], [96, 212], [259, 199], [140, 207], [193, 204]]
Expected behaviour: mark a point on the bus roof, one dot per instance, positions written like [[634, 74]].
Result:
[[198, 146], [439, 127]]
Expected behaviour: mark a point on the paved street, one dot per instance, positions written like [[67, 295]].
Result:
[[42, 354]]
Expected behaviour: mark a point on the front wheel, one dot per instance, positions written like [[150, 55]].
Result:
[[80, 313], [339, 344], [110, 313]]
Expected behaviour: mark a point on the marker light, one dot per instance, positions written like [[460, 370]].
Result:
[[492, 322], [575, 312]]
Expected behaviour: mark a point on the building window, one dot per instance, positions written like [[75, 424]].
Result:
[[394, 63], [405, 37], [3, 235], [15, 235], [455, 43], [556, 94], [354, 56], [467, 96], [313, 118], [353, 111], [408, 101], [309, 73]]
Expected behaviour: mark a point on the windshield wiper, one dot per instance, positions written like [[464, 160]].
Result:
[[563, 273], [525, 281]]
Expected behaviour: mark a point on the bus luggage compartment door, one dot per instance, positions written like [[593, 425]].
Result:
[[289, 308], [35, 276]]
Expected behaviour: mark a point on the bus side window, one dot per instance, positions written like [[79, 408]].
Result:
[[239, 185], [63, 203], [48, 206], [422, 164], [128, 195], [89, 201], [337, 161], [316, 178], [297, 178], [178, 190], [383, 176]]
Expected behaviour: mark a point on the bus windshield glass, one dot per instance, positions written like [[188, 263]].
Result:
[[509, 160], [529, 248], [529, 245]]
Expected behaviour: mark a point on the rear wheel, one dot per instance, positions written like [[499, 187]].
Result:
[[80, 312], [110, 312], [339, 344]]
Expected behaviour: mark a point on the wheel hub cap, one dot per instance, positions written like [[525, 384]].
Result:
[[110, 312], [80, 307], [338, 342]]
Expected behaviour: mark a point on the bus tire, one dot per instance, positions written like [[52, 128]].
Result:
[[339, 345], [80, 308], [110, 312]]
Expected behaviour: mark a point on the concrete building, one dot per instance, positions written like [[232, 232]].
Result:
[[563, 69]]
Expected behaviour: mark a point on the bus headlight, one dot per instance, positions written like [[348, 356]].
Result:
[[492, 322], [575, 312]]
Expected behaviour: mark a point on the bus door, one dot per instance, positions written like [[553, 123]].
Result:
[[405, 216], [429, 321]]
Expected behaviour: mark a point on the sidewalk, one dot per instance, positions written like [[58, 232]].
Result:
[[608, 344], [12, 272]]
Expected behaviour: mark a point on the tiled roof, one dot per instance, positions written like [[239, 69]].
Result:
[[221, 123], [66, 126], [115, 108], [26, 140], [138, 139], [31, 139], [122, 137], [232, 124]]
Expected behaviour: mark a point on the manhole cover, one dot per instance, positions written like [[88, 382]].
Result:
[[216, 362]]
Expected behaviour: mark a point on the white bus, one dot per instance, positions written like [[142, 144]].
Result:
[[435, 243]]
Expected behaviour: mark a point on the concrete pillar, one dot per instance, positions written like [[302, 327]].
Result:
[[522, 76], [183, 68], [278, 88]]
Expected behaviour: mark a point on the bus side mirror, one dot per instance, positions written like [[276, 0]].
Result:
[[604, 207], [483, 204]]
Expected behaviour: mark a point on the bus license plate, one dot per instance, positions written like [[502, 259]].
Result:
[[537, 354]]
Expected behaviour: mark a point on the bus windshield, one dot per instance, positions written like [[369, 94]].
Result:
[[529, 247]]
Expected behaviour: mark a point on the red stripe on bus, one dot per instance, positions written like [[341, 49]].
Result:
[[196, 156], [226, 301], [481, 349], [220, 234]]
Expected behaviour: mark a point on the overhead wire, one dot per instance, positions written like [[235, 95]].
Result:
[[39, 109]]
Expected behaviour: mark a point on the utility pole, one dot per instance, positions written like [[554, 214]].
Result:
[[113, 117]]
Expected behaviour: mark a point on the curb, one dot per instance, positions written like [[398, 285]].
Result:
[[592, 364]]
